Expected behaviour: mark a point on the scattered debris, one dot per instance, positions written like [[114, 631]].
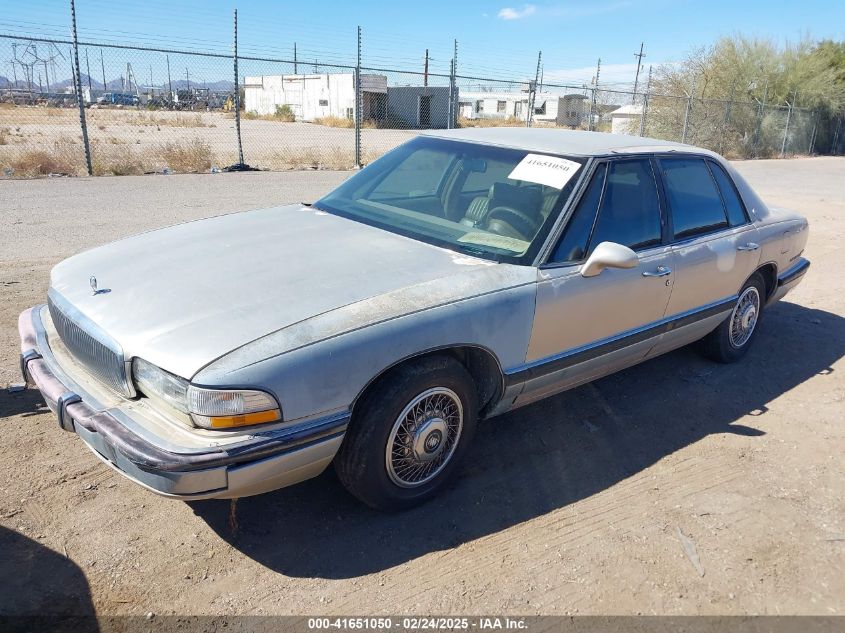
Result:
[[16, 387], [691, 552]]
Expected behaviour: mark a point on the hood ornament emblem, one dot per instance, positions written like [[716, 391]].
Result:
[[92, 280]]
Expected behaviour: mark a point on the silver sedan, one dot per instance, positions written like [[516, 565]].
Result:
[[462, 275]]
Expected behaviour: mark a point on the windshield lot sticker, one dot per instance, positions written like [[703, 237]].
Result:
[[545, 170]]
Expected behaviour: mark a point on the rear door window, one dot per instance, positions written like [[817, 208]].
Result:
[[694, 200], [733, 204]]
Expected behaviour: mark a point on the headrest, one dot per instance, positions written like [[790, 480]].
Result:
[[521, 198]]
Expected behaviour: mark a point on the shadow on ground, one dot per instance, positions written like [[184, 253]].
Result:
[[41, 589], [540, 458], [25, 403]]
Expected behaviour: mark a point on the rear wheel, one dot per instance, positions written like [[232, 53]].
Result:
[[409, 433], [730, 341]]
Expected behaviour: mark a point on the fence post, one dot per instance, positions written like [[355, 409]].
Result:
[[451, 114], [593, 100], [645, 103], [834, 147], [786, 128], [358, 105], [456, 92], [80, 101], [687, 112], [813, 134], [532, 95], [237, 97]]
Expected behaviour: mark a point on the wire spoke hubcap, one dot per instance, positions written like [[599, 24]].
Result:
[[424, 437], [744, 317]]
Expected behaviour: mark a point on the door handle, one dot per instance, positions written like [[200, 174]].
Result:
[[661, 271], [748, 246]]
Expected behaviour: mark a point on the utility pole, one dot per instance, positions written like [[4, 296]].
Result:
[[79, 100], [425, 70], [188, 79], [595, 91], [237, 96], [639, 57], [295, 67]]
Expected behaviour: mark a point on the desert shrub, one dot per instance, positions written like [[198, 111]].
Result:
[[285, 113]]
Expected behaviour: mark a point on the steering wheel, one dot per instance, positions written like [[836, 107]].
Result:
[[521, 222]]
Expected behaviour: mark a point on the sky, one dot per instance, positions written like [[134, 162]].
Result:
[[495, 38]]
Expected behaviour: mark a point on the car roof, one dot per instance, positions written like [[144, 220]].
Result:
[[557, 141]]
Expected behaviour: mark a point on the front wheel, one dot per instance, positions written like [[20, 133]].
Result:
[[730, 341], [409, 433]]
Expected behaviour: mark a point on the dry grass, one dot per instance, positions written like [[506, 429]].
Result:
[[109, 159], [101, 118], [148, 119], [343, 122], [4, 136], [118, 161], [333, 159], [65, 157], [334, 121], [510, 121], [192, 156]]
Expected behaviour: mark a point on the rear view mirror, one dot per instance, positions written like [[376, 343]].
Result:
[[478, 165], [608, 255]]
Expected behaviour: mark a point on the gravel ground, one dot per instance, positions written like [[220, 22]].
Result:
[[579, 504]]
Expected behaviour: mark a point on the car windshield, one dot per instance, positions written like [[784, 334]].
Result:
[[492, 202]]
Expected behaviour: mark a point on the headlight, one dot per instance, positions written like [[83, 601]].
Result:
[[208, 408]]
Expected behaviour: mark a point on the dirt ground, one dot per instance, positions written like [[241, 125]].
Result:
[[577, 505]]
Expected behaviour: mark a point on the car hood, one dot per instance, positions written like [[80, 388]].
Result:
[[183, 296]]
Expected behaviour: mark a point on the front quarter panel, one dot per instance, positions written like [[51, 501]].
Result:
[[320, 366]]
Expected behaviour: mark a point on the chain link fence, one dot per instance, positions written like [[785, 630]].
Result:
[[162, 110]]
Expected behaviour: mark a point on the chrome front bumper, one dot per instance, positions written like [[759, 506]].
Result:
[[262, 462]]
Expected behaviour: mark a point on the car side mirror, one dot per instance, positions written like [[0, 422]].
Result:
[[608, 255]]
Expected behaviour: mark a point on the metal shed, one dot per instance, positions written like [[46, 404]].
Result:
[[423, 107]]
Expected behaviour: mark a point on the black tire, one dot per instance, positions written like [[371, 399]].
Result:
[[361, 463], [719, 344]]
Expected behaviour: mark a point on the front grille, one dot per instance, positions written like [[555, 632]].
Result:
[[101, 357]]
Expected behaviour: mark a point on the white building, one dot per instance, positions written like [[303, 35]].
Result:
[[548, 107], [314, 96], [626, 120]]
